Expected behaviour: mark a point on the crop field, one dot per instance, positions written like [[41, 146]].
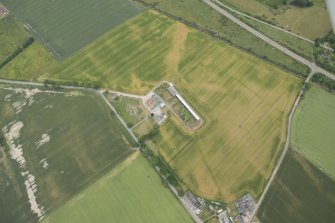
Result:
[[300, 193], [237, 146], [70, 26], [12, 36], [210, 75], [312, 22], [130, 193], [57, 144], [313, 129]]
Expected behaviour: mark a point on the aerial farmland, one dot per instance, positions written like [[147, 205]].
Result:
[[59, 32], [62, 148], [163, 111], [171, 51], [314, 127]]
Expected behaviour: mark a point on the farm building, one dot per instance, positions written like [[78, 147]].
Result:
[[155, 104], [197, 203], [174, 92]]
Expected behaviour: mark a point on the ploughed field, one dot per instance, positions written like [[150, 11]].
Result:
[[132, 192], [58, 143], [70, 25], [313, 129], [300, 193]]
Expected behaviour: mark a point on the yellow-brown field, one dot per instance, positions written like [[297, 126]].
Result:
[[244, 101]]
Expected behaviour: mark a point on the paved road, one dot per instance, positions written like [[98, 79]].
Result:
[[314, 68], [265, 23]]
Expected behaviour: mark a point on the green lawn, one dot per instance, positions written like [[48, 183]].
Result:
[[85, 142], [12, 36], [300, 193], [134, 194], [66, 26], [313, 129]]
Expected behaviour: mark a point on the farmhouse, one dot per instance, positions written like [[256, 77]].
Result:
[[155, 105], [197, 203]]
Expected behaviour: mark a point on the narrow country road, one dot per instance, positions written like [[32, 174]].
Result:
[[314, 68], [117, 114], [265, 23], [98, 92], [286, 147]]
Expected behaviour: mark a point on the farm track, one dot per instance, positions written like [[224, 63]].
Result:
[[98, 92]]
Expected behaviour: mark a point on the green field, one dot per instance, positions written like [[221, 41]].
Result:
[[65, 140], [132, 193], [69, 26], [300, 193], [12, 36], [313, 129], [311, 22], [225, 158]]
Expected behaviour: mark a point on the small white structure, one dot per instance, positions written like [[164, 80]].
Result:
[[174, 92], [182, 100]]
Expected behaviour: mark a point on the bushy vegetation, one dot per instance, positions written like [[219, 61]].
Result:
[[57, 84], [155, 160], [277, 3], [19, 50], [324, 81], [302, 3], [325, 57]]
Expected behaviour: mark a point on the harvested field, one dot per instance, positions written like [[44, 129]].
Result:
[[313, 129], [58, 144], [237, 146], [70, 26], [130, 193], [300, 193]]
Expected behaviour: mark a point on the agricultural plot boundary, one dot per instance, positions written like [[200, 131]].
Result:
[[66, 21]]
